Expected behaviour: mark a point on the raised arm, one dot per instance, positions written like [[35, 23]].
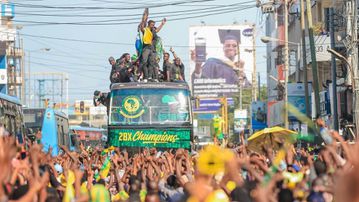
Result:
[[173, 53], [164, 20], [144, 20]]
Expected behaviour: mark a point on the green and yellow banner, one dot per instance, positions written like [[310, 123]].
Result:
[[160, 138]]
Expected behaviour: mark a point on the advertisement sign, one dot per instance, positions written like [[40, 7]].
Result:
[[240, 120], [259, 115], [159, 138], [322, 43], [296, 97], [221, 59], [8, 10], [211, 105], [275, 113]]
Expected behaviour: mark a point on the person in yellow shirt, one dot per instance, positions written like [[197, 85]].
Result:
[[148, 62]]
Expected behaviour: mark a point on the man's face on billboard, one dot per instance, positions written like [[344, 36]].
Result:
[[230, 48]]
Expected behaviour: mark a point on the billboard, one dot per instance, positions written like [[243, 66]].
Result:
[[221, 59]]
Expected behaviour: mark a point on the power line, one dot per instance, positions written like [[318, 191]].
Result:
[[70, 63], [207, 8], [108, 42], [62, 69], [135, 20], [108, 8]]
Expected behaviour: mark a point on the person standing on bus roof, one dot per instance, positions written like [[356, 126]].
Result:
[[166, 66], [148, 64], [178, 63], [114, 68]]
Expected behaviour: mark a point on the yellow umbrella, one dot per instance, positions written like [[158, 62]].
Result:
[[268, 136]]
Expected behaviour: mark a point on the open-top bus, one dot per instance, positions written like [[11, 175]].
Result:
[[150, 115]]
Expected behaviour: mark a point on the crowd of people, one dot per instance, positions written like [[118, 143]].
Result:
[[283, 173], [144, 65]]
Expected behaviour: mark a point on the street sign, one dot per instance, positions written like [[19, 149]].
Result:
[[240, 120]]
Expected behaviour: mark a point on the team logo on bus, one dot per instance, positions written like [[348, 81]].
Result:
[[132, 107]]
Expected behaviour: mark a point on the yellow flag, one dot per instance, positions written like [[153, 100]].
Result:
[[70, 191]]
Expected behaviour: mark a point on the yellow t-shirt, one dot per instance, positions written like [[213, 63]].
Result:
[[147, 36]]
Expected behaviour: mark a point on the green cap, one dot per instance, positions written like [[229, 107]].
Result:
[[134, 57]]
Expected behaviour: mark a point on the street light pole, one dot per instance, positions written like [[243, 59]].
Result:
[[334, 70], [286, 64]]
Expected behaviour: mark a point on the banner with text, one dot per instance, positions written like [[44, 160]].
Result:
[[159, 138]]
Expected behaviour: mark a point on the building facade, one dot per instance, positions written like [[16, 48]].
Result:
[[83, 112], [275, 58]]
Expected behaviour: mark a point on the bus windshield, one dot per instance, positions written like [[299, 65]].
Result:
[[149, 106]]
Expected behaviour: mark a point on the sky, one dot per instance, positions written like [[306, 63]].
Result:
[[92, 30]]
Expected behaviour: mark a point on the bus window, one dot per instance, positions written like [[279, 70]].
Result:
[[149, 106], [59, 135], [64, 136]]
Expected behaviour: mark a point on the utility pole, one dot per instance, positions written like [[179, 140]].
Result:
[[354, 59], [259, 86], [304, 57], [286, 63], [29, 80], [241, 95], [314, 59], [254, 89], [23, 81], [334, 70]]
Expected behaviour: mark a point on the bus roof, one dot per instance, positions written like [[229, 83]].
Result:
[[136, 85], [60, 113], [10, 98], [86, 128]]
